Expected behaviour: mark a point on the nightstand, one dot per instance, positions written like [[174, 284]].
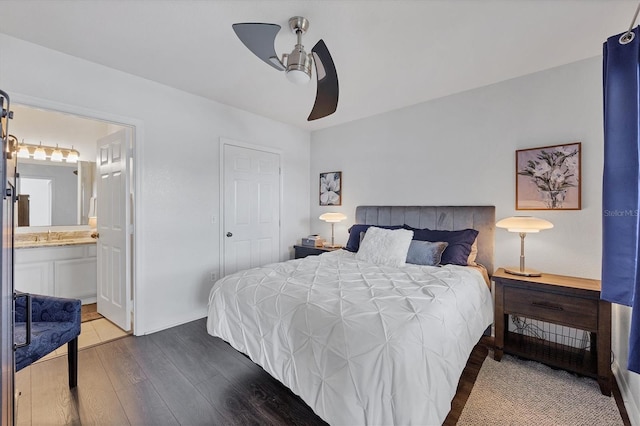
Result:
[[304, 251], [557, 300]]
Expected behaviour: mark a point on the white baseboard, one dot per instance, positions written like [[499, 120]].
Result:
[[194, 316], [630, 401]]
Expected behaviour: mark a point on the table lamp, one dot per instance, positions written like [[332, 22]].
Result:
[[332, 218], [523, 225]]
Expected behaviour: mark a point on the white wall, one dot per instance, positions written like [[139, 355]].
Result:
[[177, 148], [49, 127], [460, 150]]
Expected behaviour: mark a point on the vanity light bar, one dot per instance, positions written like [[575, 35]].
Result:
[[43, 152]]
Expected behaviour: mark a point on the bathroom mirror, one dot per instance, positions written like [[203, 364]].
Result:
[[55, 194]]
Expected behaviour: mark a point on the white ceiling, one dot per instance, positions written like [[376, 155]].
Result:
[[389, 54]]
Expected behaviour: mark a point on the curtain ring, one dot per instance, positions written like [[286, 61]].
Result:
[[627, 37]]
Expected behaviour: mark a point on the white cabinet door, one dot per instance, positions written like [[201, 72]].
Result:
[[34, 278], [76, 279]]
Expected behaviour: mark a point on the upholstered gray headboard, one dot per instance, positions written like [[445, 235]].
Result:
[[445, 218]]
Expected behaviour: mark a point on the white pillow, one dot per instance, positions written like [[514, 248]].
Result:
[[385, 246]]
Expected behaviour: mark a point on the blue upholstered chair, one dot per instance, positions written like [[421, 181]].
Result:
[[54, 322]]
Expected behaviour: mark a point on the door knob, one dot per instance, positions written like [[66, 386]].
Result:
[[229, 234]]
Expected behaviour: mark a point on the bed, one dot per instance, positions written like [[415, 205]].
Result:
[[360, 342]]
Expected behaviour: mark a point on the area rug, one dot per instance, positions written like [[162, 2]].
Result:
[[518, 392], [90, 313]]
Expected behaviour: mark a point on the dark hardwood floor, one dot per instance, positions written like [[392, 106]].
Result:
[[177, 376]]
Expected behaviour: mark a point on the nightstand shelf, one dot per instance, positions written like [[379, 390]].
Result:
[[553, 354], [558, 301], [304, 251]]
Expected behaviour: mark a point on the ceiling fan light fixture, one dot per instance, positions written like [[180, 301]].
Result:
[[299, 66], [298, 76]]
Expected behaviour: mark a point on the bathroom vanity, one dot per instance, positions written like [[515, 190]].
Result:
[[60, 264]]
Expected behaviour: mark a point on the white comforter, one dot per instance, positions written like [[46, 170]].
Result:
[[360, 343]]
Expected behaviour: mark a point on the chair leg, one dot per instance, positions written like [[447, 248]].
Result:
[[72, 358]]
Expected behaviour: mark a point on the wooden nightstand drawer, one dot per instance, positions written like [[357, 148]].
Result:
[[557, 308]]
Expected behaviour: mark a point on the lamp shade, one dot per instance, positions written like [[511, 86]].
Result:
[[40, 153], [332, 217], [524, 224], [298, 76], [23, 152], [72, 156], [56, 155]]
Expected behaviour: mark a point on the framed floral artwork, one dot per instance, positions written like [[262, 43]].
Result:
[[331, 189], [548, 178]]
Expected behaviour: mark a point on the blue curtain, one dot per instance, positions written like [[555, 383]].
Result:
[[621, 187]]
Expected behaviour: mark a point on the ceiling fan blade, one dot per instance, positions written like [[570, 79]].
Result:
[[259, 38], [327, 91]]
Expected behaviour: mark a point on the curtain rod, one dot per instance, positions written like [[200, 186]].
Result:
[[628, 36]]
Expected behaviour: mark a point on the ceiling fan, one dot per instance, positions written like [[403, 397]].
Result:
[[260, 39]]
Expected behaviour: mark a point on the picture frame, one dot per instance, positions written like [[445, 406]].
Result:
[[331, 189], [549, 177]]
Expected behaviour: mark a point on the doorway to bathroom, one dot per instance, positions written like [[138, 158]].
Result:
[[79, 243]]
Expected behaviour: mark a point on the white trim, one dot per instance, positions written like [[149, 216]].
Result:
[[193, 316], [278, 152], [633, 410], [75, 110], [137, 133]]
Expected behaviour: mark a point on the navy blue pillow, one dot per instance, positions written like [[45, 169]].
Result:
[[460, 242], [353, 244]]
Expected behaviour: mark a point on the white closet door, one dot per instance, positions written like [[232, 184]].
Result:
[[251, 208]]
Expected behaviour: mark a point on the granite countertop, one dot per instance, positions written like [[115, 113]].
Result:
[[53, 239]]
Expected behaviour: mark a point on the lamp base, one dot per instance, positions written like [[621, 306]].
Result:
[[524, 273]]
